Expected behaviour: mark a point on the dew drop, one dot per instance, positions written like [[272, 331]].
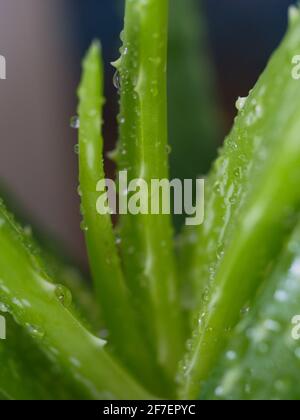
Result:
[[205, 295], [240, 103], [75, 122], [82, 210], [281, 296], [183, 367], [113, 155], [272, 325], [35, 331], [231, 355], [232, 200], [28, 231], [117, 80], [79, 191], [104, 334], [4, 308], [237, 173], [154, 91], [63, 295], [83, 226], [220, 252], [295, 268], [245, 310], [168, 149], [189, 345], [121, 119], [219, 391], [217, 187], [201, 319]]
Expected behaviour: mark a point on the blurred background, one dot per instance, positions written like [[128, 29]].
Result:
[[228, 43]]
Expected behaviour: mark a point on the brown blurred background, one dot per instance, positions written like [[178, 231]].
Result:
[[36, 156]]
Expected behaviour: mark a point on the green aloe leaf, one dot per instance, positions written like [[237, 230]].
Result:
[[60, 266], [26, 373], [262, 360], [251, 207], [84, 301], [44, 310], [113, 295], [146, 240]]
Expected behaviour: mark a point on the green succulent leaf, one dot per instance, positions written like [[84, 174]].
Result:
[[251, 207], [44, 310], [262, 360], [58, 263], [84, 301], [146, 239], [113, 295], [60, 267], [26, 373]]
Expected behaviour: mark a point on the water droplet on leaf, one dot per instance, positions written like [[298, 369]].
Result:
[[168, 149], [79, 191], [240, 103], [35, 331], [75, 122], [83, 226], [121, 119], [117, 80], [4, 308], [231, 355], [63, 295]]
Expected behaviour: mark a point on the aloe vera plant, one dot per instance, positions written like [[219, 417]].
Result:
[[146, 240], [257, 168], [237, 275]]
